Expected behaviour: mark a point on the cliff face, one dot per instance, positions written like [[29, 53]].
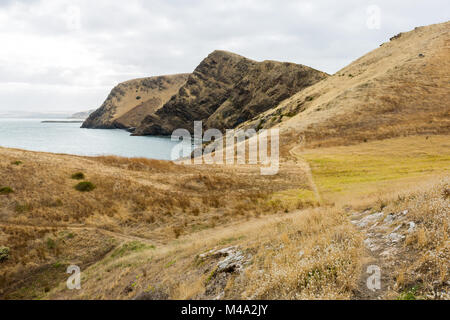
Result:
[[130, 101], [227, 89]]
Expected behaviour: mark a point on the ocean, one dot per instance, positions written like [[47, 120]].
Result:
[[69, 138]]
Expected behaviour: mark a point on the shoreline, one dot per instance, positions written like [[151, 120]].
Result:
[[62, 121]]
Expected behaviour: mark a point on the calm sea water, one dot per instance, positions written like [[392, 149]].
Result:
[[69, 138]]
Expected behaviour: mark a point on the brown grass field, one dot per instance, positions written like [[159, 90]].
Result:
[[143, 227], [364, 180]]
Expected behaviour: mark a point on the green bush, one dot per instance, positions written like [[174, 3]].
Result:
[[51, 244], [409, 294], [16, 163], [4, 253], [85, 186], [6, 190], [78, 176]]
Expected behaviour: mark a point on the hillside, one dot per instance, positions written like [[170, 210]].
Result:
[[227, 89], [156, 230], [129, 102], [401, 88], [364, 180]]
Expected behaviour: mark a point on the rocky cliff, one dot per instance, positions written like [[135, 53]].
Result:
[[131, 101], [227, 89]]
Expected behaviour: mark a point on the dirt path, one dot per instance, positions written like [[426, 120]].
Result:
[[383, 238], [117, 235], [304, 165]]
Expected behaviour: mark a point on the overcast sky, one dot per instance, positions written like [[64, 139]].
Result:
[[61, 55]]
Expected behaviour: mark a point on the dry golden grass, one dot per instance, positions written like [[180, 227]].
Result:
[[426, 268], [149, 208], [389, 92], [310, 254], [163, 215], [292, 258], [156, 201]]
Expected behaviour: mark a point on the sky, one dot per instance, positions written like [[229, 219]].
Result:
[[66, 55]]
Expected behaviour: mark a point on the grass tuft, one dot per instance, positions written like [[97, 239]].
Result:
[[4, 253], [6, 190], [78, 176], [85, 186]]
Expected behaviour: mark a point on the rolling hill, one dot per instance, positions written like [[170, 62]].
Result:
[[401, 88], [363, 181], [129, 102], [226, 90]]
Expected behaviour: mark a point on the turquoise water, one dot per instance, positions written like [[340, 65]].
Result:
[[69, 138]]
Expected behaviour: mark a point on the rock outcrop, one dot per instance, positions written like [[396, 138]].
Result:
[[131, 101], [227, 89]]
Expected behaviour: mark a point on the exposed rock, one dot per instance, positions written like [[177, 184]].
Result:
[[131, 101], [398, 227], [371, 244], [389, 218], [395, 237], [412, 227], [397, 36], [218, 253], [227, 89], [234, 260], [231, 263], [368, 219]]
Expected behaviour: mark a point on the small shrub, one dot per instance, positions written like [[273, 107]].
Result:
[[309, 98], [16, 163], [446, 193], [78, 176], [22, 207], [85, 186], [409, 294], [4, 253], [138, 98], [51, 244], [6, 190]]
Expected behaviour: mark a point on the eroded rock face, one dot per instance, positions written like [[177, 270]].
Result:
[[131, 101], [226, 90]]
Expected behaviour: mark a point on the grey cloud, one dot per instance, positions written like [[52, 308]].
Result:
[[118, 41]]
